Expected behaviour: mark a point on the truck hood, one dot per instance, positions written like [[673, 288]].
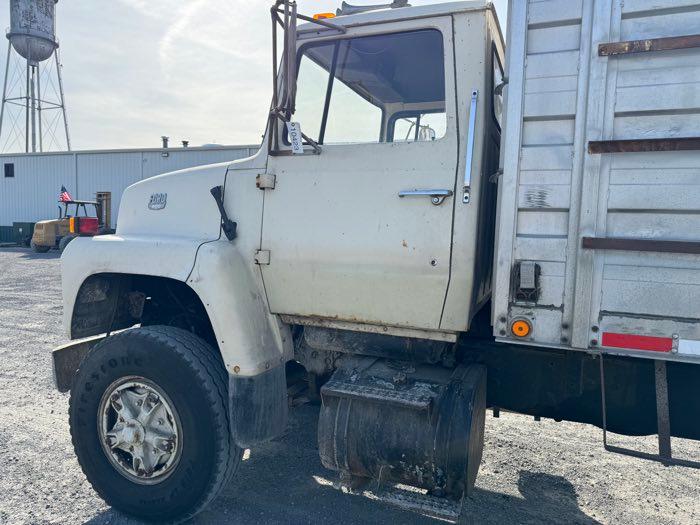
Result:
[[175, 204]]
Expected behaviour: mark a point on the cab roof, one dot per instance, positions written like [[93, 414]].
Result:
[[401, 13]]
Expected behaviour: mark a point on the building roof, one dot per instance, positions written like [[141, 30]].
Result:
[[134, 150]]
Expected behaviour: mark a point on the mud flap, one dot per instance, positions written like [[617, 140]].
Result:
[[258, 406]]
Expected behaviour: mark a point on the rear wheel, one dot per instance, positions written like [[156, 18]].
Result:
[[150, 425], [39, 248], [64, 242]]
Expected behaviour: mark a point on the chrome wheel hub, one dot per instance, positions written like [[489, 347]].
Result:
[[140, 430]]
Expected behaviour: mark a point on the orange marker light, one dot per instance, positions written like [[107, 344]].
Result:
[[323, 16], [521, 328], [71, 225]]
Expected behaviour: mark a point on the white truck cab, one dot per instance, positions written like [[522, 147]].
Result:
[[385, 238]]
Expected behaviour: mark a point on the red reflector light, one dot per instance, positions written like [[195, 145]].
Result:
[[638, 342], [87, 225]]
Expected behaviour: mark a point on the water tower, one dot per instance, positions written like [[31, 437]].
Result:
[[30, 117]]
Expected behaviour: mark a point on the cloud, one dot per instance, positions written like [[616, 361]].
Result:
[[177, 30], [192, 69]]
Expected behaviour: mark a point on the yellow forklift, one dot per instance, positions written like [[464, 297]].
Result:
[[75, 218]]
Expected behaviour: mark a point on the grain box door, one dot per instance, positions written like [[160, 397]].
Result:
[[638, 265]]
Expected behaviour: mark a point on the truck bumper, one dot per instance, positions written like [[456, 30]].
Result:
[[67, 358]]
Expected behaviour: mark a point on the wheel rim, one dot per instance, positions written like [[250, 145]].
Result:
[[140, 430]]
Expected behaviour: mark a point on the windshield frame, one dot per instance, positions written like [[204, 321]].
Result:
[[335, 40]]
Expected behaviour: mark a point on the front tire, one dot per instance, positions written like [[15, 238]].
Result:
[[161, 390]]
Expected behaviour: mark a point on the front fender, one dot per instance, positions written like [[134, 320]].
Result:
[[253, 343], [171, 257], [251, 339]]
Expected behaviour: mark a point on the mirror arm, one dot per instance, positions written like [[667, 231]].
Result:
[[283, 104], [278, 112]]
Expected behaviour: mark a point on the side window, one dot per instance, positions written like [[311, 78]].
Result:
[[497, 88], [422, 127], [9, 170], [348, 89]]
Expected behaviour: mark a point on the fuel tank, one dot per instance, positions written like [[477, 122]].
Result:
[[401, 423]]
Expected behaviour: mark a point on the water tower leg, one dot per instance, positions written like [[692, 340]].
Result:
[[26, 112], [4, 87], [33, 95], [63, 100], [38, 100]]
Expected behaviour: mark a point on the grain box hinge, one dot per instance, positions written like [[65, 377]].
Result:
[[266, 181], [262, 257]]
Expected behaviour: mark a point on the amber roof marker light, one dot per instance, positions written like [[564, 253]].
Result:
[[323, 16]]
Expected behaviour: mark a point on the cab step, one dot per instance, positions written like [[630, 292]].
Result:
[[420, 503]]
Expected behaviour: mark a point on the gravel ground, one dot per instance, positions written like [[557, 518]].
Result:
[[532, 472]]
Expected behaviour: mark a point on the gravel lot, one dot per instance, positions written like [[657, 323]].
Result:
[[532, 472]]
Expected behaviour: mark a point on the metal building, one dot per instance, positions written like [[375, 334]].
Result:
[[30, 183]]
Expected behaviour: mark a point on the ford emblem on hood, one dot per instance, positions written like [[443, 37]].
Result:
[[158, 201]]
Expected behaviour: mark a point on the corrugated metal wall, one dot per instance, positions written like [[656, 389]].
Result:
[[32, 193]]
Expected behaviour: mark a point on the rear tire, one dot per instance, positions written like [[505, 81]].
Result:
[[39, 249], [190, 375], [64, 242]]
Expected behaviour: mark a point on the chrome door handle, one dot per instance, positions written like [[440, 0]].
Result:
[[436, 196]]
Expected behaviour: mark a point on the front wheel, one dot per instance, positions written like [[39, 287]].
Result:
[[150, 423]]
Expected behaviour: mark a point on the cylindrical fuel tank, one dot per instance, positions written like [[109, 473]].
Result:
[[400, 423]]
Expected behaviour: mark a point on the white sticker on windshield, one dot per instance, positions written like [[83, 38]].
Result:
[[295, 138]]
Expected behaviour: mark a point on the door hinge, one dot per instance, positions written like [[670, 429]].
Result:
[[266, 181], [262, 257]]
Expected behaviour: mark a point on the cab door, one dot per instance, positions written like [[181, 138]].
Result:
[[362, 231]]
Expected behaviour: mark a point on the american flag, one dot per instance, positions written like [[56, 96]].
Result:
[[64, 196]]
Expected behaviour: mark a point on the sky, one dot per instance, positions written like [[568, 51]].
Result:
[[197, 70]]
